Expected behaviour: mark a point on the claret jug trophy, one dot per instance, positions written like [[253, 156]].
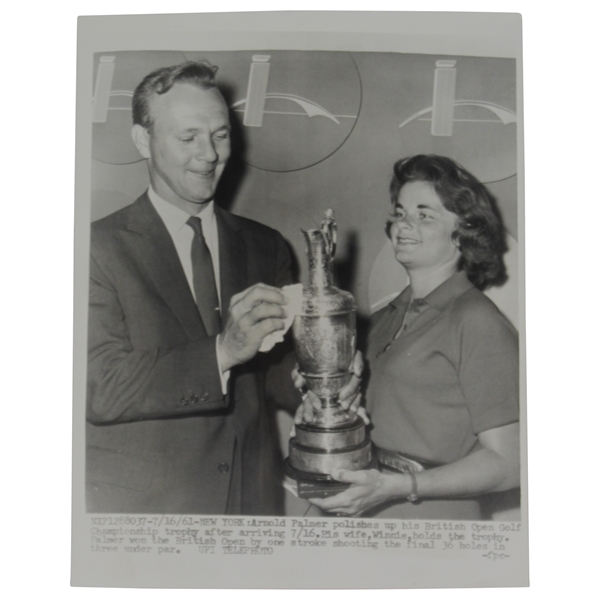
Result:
[[324, 335]]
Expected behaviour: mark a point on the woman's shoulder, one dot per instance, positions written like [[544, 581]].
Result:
[[473, 308]]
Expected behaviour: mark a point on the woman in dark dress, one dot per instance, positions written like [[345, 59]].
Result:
[[443, 387]]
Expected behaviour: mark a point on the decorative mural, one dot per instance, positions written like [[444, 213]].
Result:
[[316, 130], [297, 109]]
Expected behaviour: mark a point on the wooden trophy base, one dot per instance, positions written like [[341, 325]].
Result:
[[314, 484]]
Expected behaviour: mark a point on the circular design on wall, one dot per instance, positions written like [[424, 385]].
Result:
[[484, 139], [294, 109], [112, 143]]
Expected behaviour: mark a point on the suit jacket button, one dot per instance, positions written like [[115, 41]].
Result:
[[184, 401], [223, 468], [205, 396], [194, 398]]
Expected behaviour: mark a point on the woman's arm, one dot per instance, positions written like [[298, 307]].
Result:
[[493, 466]]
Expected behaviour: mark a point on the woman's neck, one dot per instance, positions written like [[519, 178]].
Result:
[[423, 281]]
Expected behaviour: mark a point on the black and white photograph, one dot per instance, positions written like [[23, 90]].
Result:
[[185, 413], [296, 301], [304, 294], [304, 298]]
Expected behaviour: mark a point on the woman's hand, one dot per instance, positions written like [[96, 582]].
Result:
[[310, 403], [368, 489], [349, 397]]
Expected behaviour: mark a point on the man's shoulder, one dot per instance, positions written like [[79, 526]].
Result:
[[247, 223], [251, 229], [108, 234], [117, 219]]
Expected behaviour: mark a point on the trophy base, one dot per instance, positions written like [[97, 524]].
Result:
[[311, 484], [315, 451], [314, 437], [314, 484]]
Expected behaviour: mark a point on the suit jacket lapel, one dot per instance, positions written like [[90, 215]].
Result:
[[232, 257], [156, 252]]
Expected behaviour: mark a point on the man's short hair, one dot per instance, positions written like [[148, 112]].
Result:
[[162, 80]]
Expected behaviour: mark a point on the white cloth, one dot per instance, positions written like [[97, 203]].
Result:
[[294, 296]]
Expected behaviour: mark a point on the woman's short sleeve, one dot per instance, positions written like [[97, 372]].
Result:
[[488, 365]]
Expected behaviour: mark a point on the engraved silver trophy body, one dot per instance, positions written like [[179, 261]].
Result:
[[325, 342]]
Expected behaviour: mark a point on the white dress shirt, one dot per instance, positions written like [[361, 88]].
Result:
[[182, 235]]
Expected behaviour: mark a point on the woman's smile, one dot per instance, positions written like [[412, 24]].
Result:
[[407, 240], [421, 228]]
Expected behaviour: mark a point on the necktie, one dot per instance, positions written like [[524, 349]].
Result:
[[204, 282]]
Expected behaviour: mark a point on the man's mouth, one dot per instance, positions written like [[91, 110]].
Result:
[[406, 241], [205, 174]]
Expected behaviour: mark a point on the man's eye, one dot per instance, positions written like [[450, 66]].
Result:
[[187, 139], [425, 216], [222, 136]]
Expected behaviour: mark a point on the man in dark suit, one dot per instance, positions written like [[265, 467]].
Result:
[[179, 307]]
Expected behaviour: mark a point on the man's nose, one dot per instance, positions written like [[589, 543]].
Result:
[[206, 151]]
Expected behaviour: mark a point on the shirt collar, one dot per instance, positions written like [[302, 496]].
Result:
[[174, 218], [403, 299], [440, 297]]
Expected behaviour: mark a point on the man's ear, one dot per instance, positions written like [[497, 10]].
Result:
[[141, 139]]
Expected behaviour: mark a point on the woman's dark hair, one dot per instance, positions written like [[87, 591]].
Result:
[[162, 80], [480, 233]]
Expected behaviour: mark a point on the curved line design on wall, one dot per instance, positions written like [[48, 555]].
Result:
[[268, 148]]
